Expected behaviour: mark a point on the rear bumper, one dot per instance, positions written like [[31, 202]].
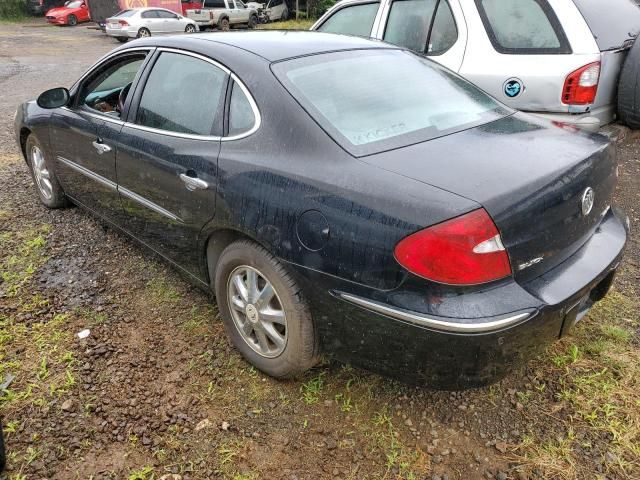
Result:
[[401, 334], [591, 121], [121, 32]]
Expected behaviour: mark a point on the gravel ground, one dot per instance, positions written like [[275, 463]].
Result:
[[155, 391]]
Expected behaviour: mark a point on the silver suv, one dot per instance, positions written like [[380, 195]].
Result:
[[558, 58]]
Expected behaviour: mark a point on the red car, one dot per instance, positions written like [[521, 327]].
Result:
[[72, 13]]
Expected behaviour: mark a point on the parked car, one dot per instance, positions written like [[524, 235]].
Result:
[[401, 220], [103, 9], [39, 7], [144, 22], [270, 11], [223, 14], [71, 13], [558, 58]]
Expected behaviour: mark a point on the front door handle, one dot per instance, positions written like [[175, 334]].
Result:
[[193, 183], [101, 147]]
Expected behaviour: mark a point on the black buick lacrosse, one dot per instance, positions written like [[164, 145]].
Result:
[[339, 196]]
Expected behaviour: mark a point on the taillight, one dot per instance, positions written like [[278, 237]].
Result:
[[123, 23], [466, 250], [581, 86]]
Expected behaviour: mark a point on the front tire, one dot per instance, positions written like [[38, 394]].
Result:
[[143, 33], [190, 29], [122, 39], [46, 182], [285, 15], [264, 311], [253, 21], [72, 20]]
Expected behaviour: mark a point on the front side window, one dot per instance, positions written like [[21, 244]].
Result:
[[241, 116], [166, 14], [523, 26], [367, 110], [424, 26], [183, 94], [107, 90], [354, 20]]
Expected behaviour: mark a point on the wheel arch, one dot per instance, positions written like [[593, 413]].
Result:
[[24, 134], [215, 244]]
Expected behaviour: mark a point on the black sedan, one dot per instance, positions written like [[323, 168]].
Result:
[[339, 195]]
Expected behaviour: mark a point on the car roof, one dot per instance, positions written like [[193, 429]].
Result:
[[272, 45]]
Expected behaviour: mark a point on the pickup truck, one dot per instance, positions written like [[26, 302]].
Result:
[[222, 14]]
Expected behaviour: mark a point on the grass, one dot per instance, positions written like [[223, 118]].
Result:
[[289, 25], [594, 378], [12, 10]]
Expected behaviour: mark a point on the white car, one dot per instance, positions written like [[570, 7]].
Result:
[[558, 58], [271, 11], [144, 22]]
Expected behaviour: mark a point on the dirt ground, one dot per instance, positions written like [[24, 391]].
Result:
[[156, 391]]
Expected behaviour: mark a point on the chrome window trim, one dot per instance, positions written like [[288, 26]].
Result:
[[86, 111], [234, 77], [147, 203], [88, 173], [436, 323]]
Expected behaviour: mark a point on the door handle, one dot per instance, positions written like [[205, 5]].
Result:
[[101, 147], [193, 183]]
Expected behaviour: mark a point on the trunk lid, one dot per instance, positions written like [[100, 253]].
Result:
[[528, 174]]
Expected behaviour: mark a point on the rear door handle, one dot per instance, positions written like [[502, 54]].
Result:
[[101, 147], [193, 183]]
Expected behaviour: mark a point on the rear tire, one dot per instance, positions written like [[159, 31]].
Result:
[[629, 89], [44, 178], [122, 39], [224, 25], [72, 20], [143, 33], [296, 350]]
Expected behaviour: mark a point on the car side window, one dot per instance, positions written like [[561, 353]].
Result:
[[149, 14], [523, 26], [424, 26], [241, 115], [171, 102], [103, 91], [164, 14], [352, 20]]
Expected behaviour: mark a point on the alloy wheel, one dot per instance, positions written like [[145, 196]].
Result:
[[41, 173], [257, 311], [144, 33], [190, 29]]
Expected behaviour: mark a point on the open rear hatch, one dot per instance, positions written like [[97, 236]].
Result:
[[529, 175]]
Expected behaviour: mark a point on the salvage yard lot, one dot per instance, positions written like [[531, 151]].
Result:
[[156, 389]]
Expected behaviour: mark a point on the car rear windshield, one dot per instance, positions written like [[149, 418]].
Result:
[[612, 22], [370, 101], [125, 13]]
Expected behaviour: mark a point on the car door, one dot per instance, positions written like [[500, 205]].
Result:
[[152, 22], [168, 151], [435, 28], [84, 135], [170, 22], [236, 13]]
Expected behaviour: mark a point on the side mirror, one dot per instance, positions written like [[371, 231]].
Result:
[[54, 98]]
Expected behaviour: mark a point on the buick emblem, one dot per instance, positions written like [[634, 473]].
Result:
[[587, 201]]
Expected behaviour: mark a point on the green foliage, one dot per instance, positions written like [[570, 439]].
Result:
[[12, 9]]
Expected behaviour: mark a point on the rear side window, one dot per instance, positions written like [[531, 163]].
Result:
[[424, 26], [612, 24], [428, 102], [353, 20], [171, 102], [523, 27], [214, 4], [241, 116], [149, 14]]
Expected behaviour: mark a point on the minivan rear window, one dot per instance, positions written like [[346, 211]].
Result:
[[612, 23], [405, 99]]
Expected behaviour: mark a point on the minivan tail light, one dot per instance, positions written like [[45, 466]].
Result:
[[581, 86], [466, 250]]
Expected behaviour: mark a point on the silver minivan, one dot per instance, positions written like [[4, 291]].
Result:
[[557, 58]]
